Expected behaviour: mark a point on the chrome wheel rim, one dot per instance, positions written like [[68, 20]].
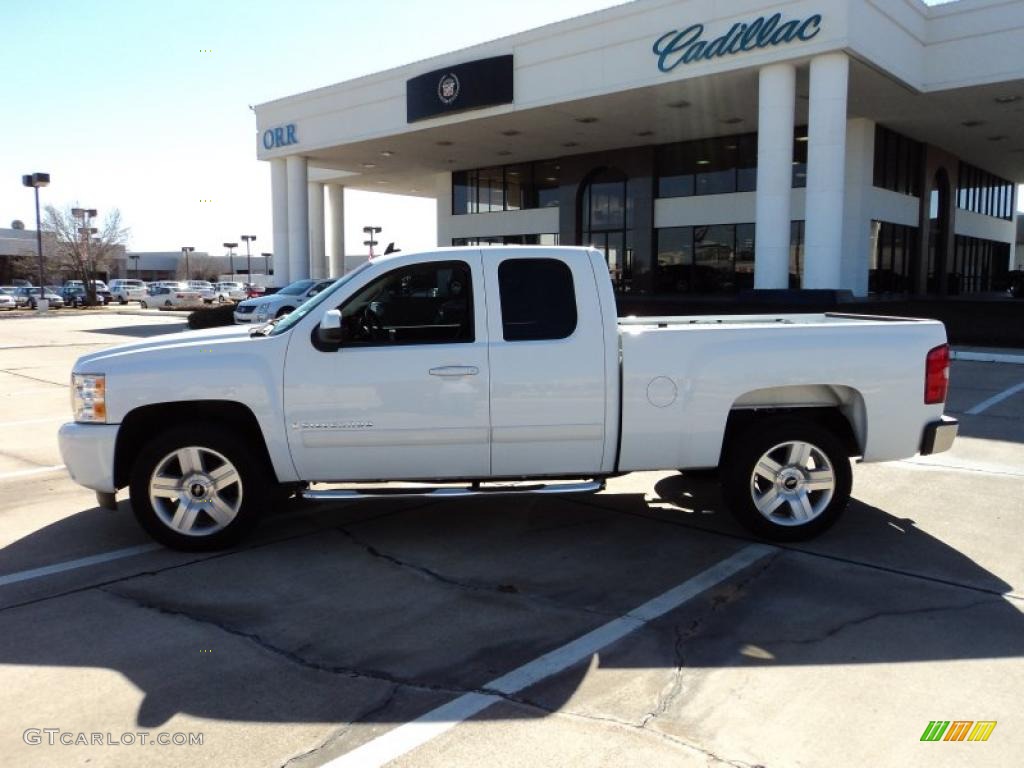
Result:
[[195, 491], [792, 483]]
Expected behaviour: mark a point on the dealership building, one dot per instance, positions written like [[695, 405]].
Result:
[[704, 147]]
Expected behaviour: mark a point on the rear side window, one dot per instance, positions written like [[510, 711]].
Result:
[[538, 300]]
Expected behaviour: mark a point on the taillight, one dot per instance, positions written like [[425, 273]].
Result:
[[936, 376]]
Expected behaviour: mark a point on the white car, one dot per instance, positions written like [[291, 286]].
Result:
[[204, 288], [164, 296], [7, 300], [123, 291], [491, 368], [264, 308], [230, 292]]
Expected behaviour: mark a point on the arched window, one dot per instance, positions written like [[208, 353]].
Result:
[[606, 222]]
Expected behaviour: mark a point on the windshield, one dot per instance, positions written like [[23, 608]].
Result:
[[311, 303], [300, 286]]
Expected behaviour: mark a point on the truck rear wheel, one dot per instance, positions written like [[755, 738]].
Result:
[[786, 479], [198, 488]]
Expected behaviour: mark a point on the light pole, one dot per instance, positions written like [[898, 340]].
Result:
[[231, 257], [268, 263], [185, 251], [370, 232], [37, 180], [249, 259], [85, 215]]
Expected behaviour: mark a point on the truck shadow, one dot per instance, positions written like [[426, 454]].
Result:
[[382, 616]]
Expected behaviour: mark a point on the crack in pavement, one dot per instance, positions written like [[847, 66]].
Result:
[[728, 593], [335, 735], [471, 586], [10, 372], [635, 727], [841, 627]]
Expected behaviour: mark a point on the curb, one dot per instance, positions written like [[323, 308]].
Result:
[[988, 357]]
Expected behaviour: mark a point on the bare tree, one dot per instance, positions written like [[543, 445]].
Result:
[[200, 267], [72, 253]]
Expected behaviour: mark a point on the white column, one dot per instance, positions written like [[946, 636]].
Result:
[[317, 245], [336, 216], [298, 219], [776, 97], [860, 153], [826, 170], [279, 207]]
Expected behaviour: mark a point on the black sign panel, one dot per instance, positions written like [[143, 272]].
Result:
[[475, 84]]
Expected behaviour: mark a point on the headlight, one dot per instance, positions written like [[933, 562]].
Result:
[[89, 397]]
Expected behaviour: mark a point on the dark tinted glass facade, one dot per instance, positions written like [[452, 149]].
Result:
[[978, 265], [715, 258], [545, 239], [984, 192], [898, 162], [708, 166], [892, 258], [506, 188]]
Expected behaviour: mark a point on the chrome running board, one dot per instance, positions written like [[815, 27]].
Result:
[[592, 486]]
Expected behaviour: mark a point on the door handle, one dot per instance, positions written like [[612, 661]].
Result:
[[455, 370]]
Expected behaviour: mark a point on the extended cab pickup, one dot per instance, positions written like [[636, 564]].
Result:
[[491, 366]]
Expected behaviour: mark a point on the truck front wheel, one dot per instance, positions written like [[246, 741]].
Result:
[[197, 488], [786, 479]]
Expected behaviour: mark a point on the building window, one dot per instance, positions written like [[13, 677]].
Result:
[[984, 192], [978, 265], [898, 162], [606, 223], [717, 258], [548, 238], [800, 157], [796, 253], [892, 257], [506, 188]]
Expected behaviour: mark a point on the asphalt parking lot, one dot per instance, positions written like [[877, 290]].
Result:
[[639, 626]]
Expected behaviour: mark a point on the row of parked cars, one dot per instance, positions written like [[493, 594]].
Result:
[[161, 293]]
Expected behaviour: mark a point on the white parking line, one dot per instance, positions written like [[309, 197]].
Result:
[[82, 562], [411, 735], [33, 471], [984, 405]]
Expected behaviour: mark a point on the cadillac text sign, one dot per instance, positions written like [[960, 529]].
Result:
[[689, 45]]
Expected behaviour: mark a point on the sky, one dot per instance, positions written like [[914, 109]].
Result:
[[144, 105], [121, 104]]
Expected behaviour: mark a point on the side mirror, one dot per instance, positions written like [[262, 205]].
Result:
[[329, 330]]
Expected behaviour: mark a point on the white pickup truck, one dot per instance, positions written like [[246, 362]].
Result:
[[476, 370]]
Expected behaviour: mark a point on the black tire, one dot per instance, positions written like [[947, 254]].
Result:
[[253, 492], [142, 305], [168, 304], [33, 305], [122, 302], [283, 311], [741, 486]]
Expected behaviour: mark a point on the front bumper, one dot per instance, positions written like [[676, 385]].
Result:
[[88, 453], [939, 435], [249, 317]]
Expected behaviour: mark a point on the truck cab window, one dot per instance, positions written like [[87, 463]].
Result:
[[538, 299], [421, 304]]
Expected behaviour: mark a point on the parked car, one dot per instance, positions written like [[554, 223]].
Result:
[[450, 366], [7, 300], [162, 296], [32, 297], [75, 296], [125, 290], [204, 288], [99, 287], [278, 304], [19, 299], [230, 292]]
